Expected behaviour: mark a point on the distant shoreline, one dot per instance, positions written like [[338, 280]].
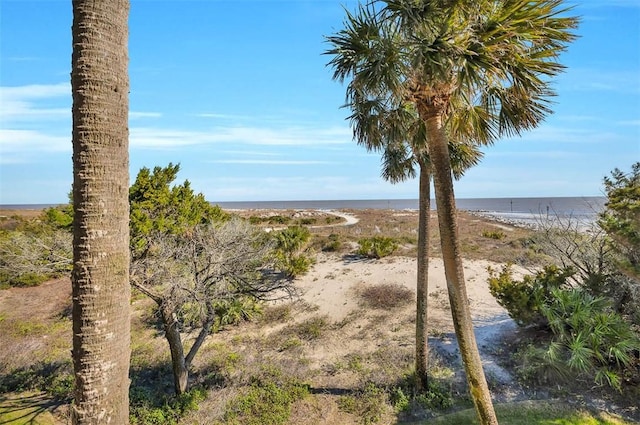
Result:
[[575, 205]]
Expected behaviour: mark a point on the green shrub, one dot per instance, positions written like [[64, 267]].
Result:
[[311, 328], [290, 250], [60, 217], [267, 401], [333, 243], [368, 404], [523, 299], [146, 409], [588, 336], [493, 234], [377, 246]]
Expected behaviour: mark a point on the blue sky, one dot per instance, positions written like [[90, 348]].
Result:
[[238, 93]]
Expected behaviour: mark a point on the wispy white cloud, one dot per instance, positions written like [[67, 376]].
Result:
[[633, 123], [133, 115], [587, 79], [35, 91], [21, 146], [554, 134], [317, 188], [269, 162], [151, 138], [29, 103]]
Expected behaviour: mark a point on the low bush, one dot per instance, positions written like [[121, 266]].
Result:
[[493, 234], [588, 338], [377, 246], [290, 247], [368, 404], [268, 400], [333, 243], [524, 298], [149, 410]]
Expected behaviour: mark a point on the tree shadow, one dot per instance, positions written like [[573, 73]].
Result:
[[27, 409]]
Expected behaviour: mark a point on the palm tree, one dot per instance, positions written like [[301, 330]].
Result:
[[100, 277], [473, 70], [399, 134]]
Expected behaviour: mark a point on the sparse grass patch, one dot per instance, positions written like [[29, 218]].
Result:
[[276, 314], [312, 328], [369, 404], [53, 378], [533, 413], [386, 296]]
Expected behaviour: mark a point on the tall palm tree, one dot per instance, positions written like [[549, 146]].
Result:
[[100, 277], [476, 70], [399, 135]]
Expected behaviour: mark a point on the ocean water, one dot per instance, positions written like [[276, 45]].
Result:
[[561, 205], [523, 210]]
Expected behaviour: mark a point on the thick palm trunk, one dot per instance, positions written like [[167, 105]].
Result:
[[445, 201], [100, 277], [422, 286], [178, 363]]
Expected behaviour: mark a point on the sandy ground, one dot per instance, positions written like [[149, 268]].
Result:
[[334, 281]]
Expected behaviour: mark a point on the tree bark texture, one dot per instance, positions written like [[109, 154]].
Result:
[[422, 284], [178, 363], [446, 208], [100, 277]]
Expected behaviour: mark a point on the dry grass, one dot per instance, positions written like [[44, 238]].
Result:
[[385, 296], [348, 364]]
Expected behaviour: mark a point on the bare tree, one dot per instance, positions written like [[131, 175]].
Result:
[[197, 277]]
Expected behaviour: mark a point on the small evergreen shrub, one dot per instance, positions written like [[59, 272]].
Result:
[[523, 299], [377, 247]]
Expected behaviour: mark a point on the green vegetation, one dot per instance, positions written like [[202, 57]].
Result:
[[532, 413], [587, 298], [146, 408], [267, 400], [588, 338], [377, 246], [493, 234], [369, 404], [291, 250], [621, 218], [52, 378], [524, 299]]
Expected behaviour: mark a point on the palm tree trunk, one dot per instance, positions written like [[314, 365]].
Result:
[[178, 363], [446, 208], [100, 277], [422, 286]]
